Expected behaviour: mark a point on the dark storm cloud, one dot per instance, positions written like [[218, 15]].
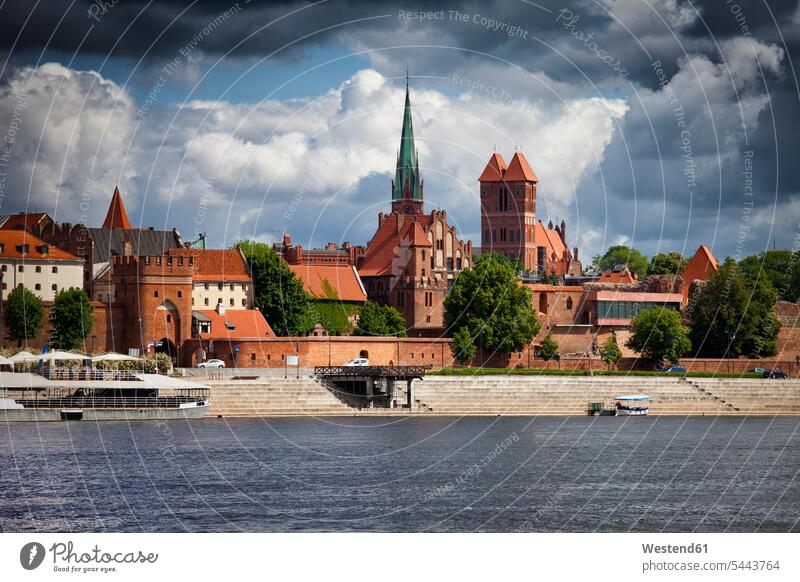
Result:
[[644, 160]]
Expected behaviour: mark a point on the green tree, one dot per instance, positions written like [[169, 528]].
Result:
[[622, 255], [24, 315], [659, 333], [610, 352], [733, 315], [782, 268], [279, 294], [549, 347], [71, 319], [377, 320], [667, 264], [490, 303], [463, 346]]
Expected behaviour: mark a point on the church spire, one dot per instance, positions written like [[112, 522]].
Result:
[[116, 216], [406, 177]]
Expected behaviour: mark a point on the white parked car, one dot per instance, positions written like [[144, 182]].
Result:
[[358, 362], [211, 364]]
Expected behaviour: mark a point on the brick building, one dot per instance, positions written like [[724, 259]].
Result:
[[413, 257], [509, 225]]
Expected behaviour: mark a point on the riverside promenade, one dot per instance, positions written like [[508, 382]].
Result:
[[266, 393]]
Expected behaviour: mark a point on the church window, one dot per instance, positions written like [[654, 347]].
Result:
[[569, 302]]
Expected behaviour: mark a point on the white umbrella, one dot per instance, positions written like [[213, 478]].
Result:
[[59, 355], [114, 357], [5, 361], [24, 357]]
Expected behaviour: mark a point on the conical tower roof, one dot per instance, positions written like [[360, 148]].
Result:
[[116, 216]]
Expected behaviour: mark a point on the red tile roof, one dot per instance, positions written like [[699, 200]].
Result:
[[388, 244], [12, 239], [23, 220], [116, 216], [550, 239], [324, 280], [217, 265], [519, 169], [617, 277], [247, 323], [493, 172]]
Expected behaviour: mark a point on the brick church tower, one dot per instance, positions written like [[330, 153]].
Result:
[[413, 258], [508, 209]]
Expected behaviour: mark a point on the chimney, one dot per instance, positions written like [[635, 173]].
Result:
[[550, 225], [575, 253], [221, 308], [287, 239], [564, 232], [127, 247]]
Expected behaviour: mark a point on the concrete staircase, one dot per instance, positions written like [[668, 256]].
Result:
[[560, 395], [754, 396], [273, 396]]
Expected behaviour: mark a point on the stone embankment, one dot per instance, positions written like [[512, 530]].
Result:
[[273, 395]]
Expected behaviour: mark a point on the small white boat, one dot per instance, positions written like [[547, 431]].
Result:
[[631, 405]]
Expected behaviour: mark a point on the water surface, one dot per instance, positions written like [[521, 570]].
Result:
[[508, 474]]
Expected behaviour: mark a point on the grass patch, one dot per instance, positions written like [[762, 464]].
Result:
[[557, 372]]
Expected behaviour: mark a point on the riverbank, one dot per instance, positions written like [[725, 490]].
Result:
[[508, 395]]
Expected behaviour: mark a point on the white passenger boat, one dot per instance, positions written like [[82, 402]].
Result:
[[89, 394], [631, 405]]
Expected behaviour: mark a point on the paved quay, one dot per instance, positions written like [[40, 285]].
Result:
[[269, 394]]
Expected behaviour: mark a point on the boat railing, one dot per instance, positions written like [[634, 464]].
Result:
[[83, 374], [108, 402]]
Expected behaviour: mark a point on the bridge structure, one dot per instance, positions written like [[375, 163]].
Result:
[[369, 386]]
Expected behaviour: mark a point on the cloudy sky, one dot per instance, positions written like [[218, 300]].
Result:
[[658, 124]]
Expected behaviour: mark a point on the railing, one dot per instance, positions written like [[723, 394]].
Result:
[[372, 371], [88, 374], [108, 402]]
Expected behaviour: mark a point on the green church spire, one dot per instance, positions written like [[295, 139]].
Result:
[[407, 173]]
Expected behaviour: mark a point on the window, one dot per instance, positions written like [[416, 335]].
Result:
[[155, 293], [21, 269], [244, 302], [494, 235], [5, 286], [169, 318], [486, 235], [206, 286], [55, 269], [252, 357], [180, 293], [38, 287], [233, 287], [192, 301], [38, 269], [569, 302], [5, 268], [219, 301], [205, 301], [54, 287], [231, 302], [219, 286]]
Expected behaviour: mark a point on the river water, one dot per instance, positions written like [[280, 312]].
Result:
[[507, 474]]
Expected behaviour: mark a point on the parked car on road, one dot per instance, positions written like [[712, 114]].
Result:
[[676, 369], [756, 370], [775, 373], [358, 362], [211, 364]]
